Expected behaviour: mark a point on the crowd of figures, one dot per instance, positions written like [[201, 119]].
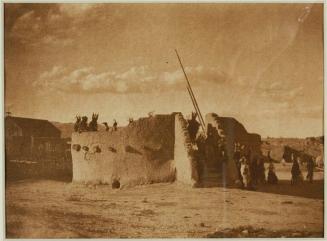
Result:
[[82, 125], [251, 171], [297, 175], [251, 168]]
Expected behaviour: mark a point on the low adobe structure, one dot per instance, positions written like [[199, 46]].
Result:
[[25, 134], [156, 149], [34, 148]]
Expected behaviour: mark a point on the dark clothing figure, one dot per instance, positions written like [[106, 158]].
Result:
[[295, 172], [211, 145], [201, 144], [115, 125], [83, 125], [237, 160], [193, 127], [201, 153], [310, 168], [272, 178], [246, 181], [224, 160], [261, 176], [237, 155], [253, 172], [248, 155], [93, 125], [77, 123], [106, 125]]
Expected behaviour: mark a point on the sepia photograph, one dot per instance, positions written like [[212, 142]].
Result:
[[163, 120]]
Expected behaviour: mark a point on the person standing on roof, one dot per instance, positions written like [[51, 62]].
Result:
[[115, 125], [193, 127]]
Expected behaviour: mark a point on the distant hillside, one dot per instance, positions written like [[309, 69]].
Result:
[[312, 146]]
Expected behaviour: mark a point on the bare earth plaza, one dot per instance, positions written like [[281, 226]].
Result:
[[164, 120]]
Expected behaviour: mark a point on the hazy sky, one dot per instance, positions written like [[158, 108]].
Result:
[[259, 63]]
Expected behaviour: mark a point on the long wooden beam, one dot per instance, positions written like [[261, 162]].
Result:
[[190, 91]]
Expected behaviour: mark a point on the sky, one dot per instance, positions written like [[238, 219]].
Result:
[[259, 63]]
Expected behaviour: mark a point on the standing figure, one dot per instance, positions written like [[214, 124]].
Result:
[[296, 172], [224, 160], [261, 176], [93, 125], [201, 145], [193, 126], [272, 178], [299, 160], [211, 148], [83, 125], [237, 160], [106, 125], [253, 171], [115, 125], [310, 168], [201, 153], [245, 170], [77, 123]]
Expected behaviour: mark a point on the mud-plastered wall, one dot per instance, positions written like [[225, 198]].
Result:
[[233, 132], [141, 153], [184, 155]]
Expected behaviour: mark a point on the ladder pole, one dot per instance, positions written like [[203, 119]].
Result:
[[189, 88], [201, 121]]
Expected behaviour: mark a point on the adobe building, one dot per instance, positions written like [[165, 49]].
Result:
[[25, 134], [33, 147], [157, 149]]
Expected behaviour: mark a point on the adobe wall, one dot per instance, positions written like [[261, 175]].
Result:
[[184, 154], [151, 150], [142, 152], [233, 131]]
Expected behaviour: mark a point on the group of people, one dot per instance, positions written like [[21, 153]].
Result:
[[82, 125], [297, 175], [251, 169]]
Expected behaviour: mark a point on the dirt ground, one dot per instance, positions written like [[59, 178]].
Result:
[[56, 209]]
